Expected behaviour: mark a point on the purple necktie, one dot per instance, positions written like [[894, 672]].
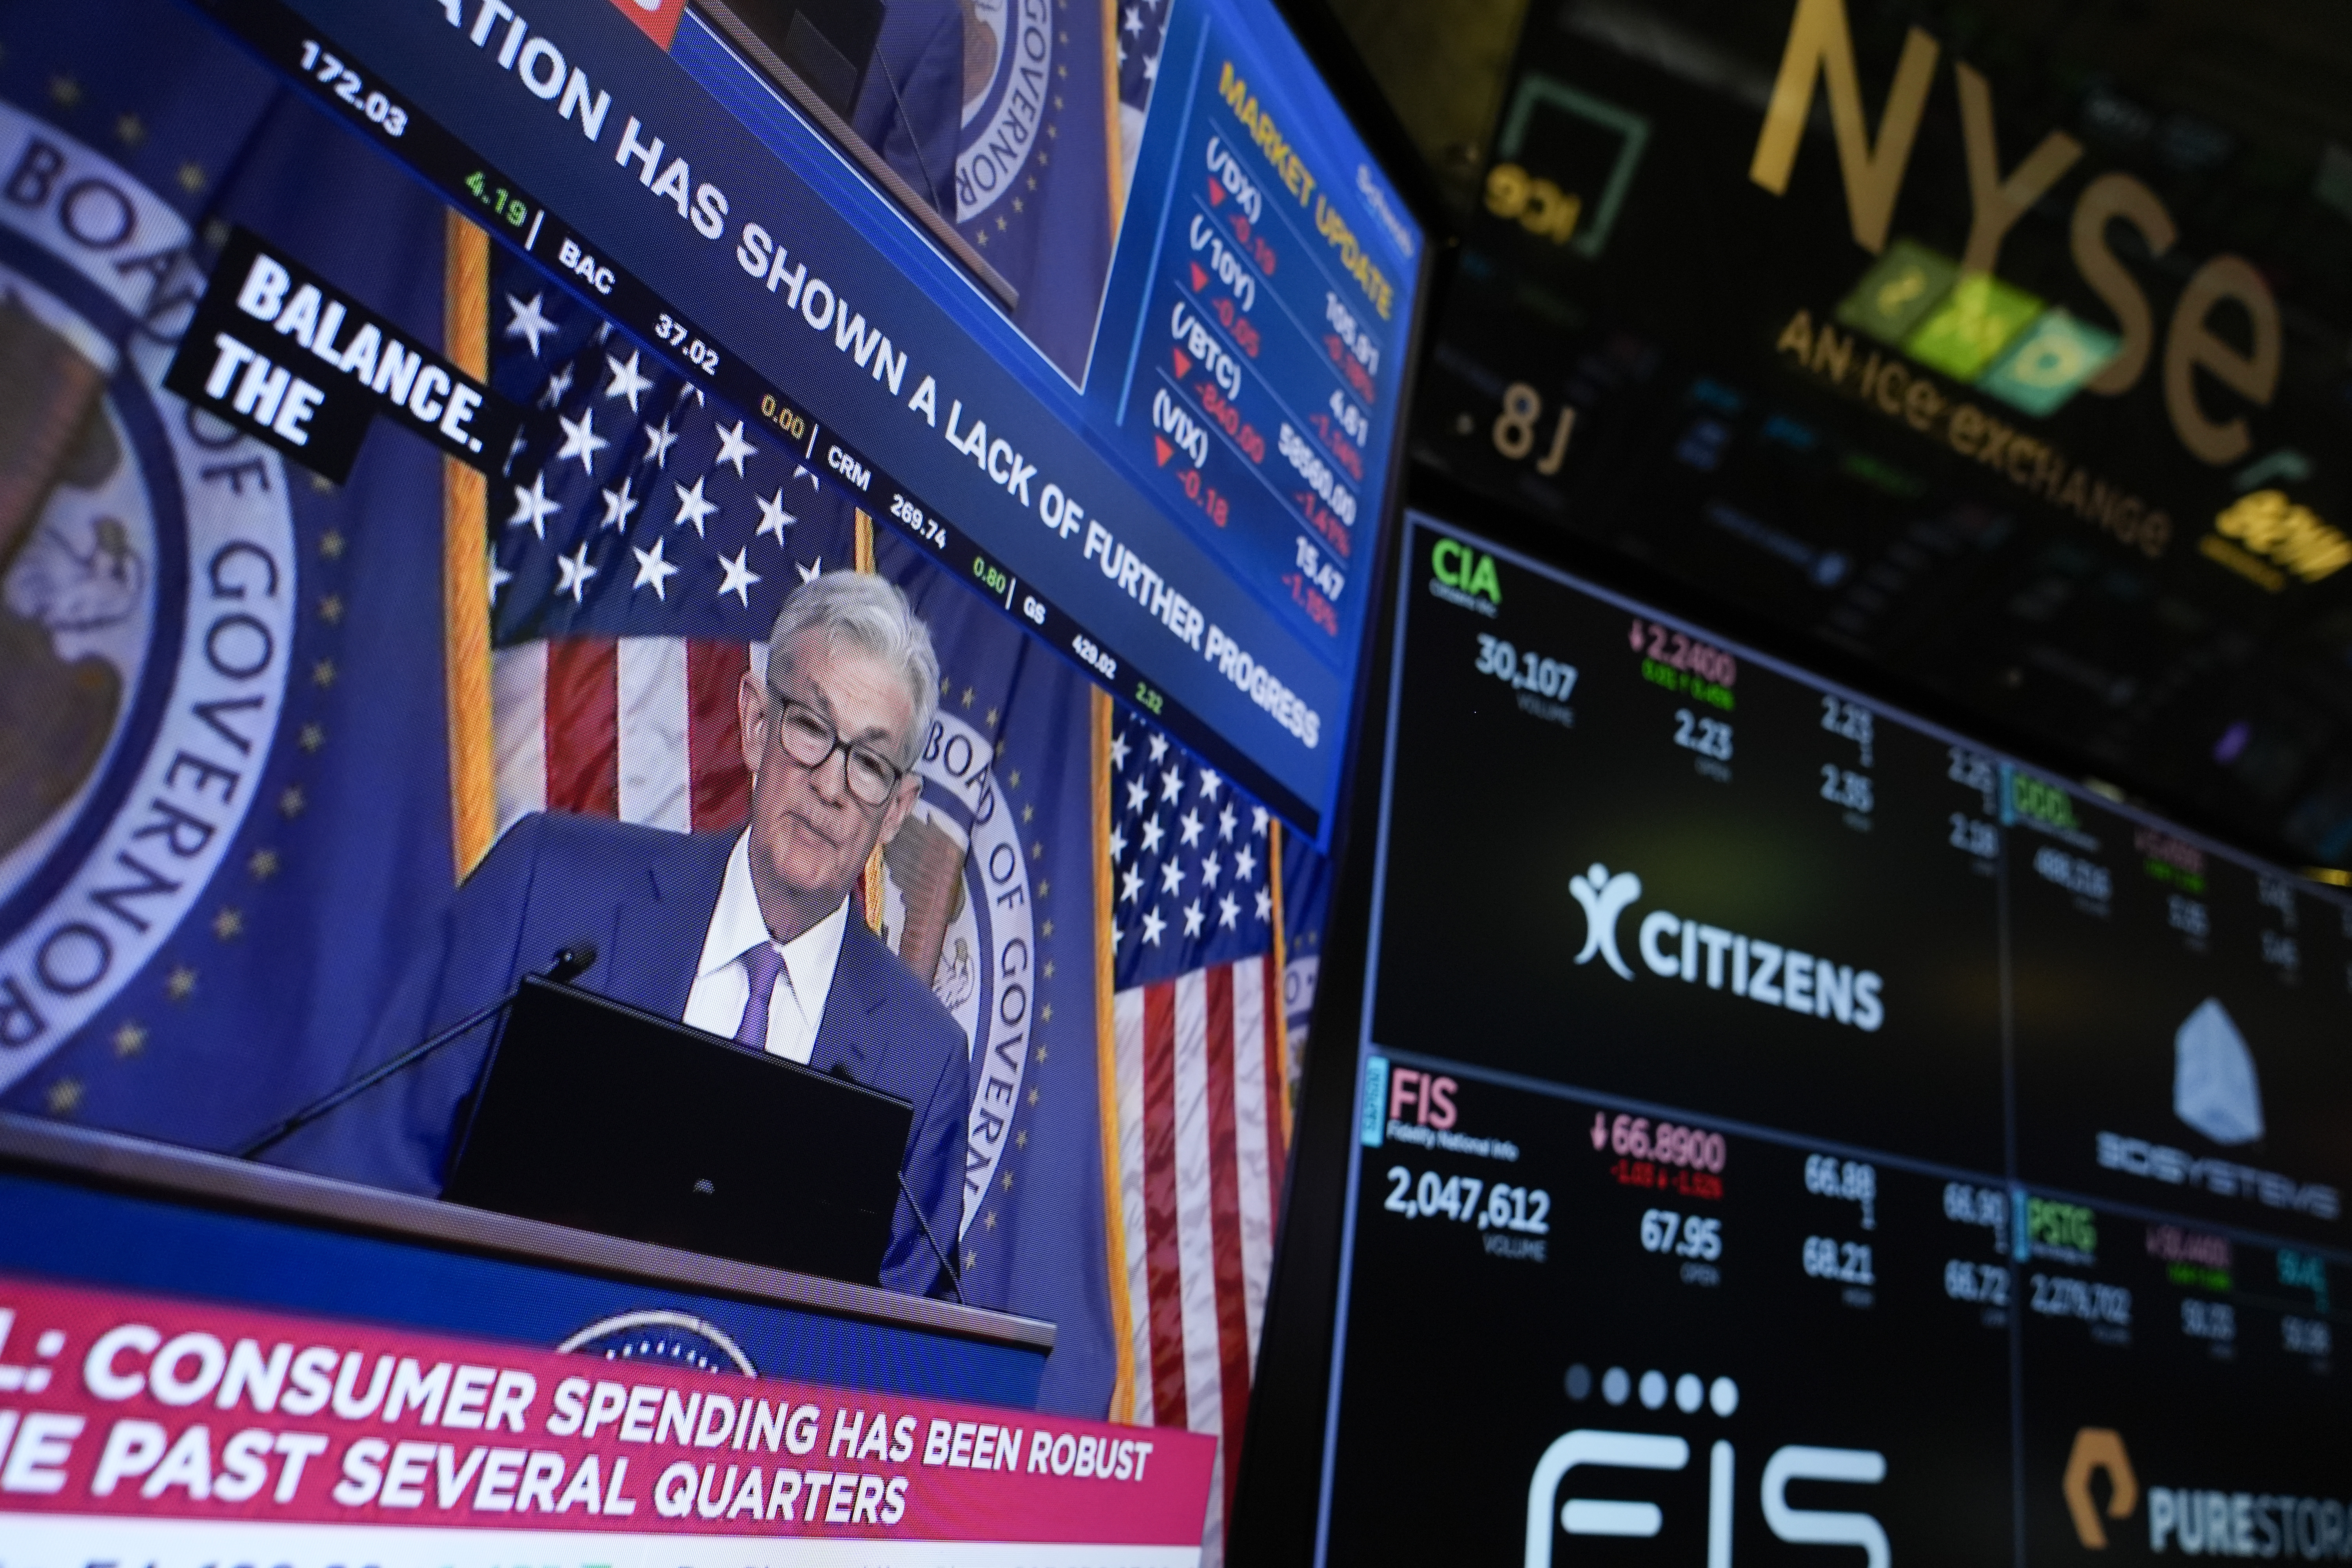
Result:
[[763, 964]]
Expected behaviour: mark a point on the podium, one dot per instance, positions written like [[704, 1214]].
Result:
[[106, 1210]]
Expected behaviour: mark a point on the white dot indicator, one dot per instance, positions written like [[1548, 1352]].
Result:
[[1654, 1389], [1615, 1386], [1723, 1396], [1688, 1393]]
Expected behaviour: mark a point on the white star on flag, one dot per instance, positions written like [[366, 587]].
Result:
[[659, 439], [1152, 835], [1259, 817], [1190, 823], [619, 505], [532, 506], [801, 470], [691, 505], [1117, 843], [1172, 876], [739, 577], [626, 382], [773, 518], [1245, 863], [1159, 747], [528, 322], [1152, 926], [1135, 793], [654, 570], [1225, 821], [574, 572], [499, 577], [1265, 904], [1118, 752], [1210, 784], [732, 447], [1130, 883], [813, 570], [581, 440], [1172, 785], [559, 386], [1228, 911], [1211, 869], [1192, 918]]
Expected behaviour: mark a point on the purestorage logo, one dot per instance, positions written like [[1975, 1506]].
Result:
[[2199, 1521], [1692, 951]]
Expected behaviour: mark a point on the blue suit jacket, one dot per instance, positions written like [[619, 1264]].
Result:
[[644, 898], [915, 129]]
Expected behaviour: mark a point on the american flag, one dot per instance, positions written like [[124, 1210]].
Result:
[[1196, 1022], [643, 538], [1142, 32]]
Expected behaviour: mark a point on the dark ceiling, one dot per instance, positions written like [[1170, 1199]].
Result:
[[2197, 677]]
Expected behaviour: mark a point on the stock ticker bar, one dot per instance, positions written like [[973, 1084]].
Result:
[[338, 79]]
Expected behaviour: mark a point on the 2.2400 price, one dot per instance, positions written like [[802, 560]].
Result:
[[1523, 1210]]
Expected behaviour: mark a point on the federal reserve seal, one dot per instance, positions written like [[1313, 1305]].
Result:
[[956, 900], [664, 1338], [147, 593], [1008, 69]]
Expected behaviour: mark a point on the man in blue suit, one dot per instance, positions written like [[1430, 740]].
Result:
[[747, 935]]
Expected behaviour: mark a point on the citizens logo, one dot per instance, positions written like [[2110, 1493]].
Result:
[[1693, 951], [2198, 1522]]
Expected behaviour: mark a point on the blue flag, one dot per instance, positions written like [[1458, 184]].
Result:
[[201, 912]]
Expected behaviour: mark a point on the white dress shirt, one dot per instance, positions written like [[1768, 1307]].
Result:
[[722, 986]]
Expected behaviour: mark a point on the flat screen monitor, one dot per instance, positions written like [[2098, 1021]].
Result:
[[1782, 1130], [420, 421]]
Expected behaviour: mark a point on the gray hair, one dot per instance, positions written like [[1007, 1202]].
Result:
[[872, 614]]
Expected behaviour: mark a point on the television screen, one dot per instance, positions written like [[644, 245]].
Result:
[[836, 529], [1783, 1124]]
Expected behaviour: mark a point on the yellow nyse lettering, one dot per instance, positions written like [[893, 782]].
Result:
[[1820, 49]]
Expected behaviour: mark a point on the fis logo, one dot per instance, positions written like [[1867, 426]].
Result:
[[1549, 1515], [1692, 951], [2199, 1522]]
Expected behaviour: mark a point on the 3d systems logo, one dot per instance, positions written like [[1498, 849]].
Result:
[[2213, 1084], [2198, 1522], [1693, 951]]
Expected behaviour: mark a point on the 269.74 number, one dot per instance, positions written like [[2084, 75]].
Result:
[[1523, 1210]]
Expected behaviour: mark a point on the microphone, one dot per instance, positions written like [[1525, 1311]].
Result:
[[570, 961], [955, 1282]]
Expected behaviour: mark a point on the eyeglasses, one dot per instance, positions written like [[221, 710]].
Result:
[[811, 741]]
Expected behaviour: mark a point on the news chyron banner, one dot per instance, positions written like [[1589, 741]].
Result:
[[160, 1432], [354, 556]]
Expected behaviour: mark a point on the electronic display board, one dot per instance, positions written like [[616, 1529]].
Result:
[[839, 529], [1159, 443], [1783, 1128]]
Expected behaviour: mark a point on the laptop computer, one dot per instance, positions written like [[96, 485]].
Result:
[[601, 1116]]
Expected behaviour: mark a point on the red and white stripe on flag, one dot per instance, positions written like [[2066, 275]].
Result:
[[642, 729], [1198, 1071]]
